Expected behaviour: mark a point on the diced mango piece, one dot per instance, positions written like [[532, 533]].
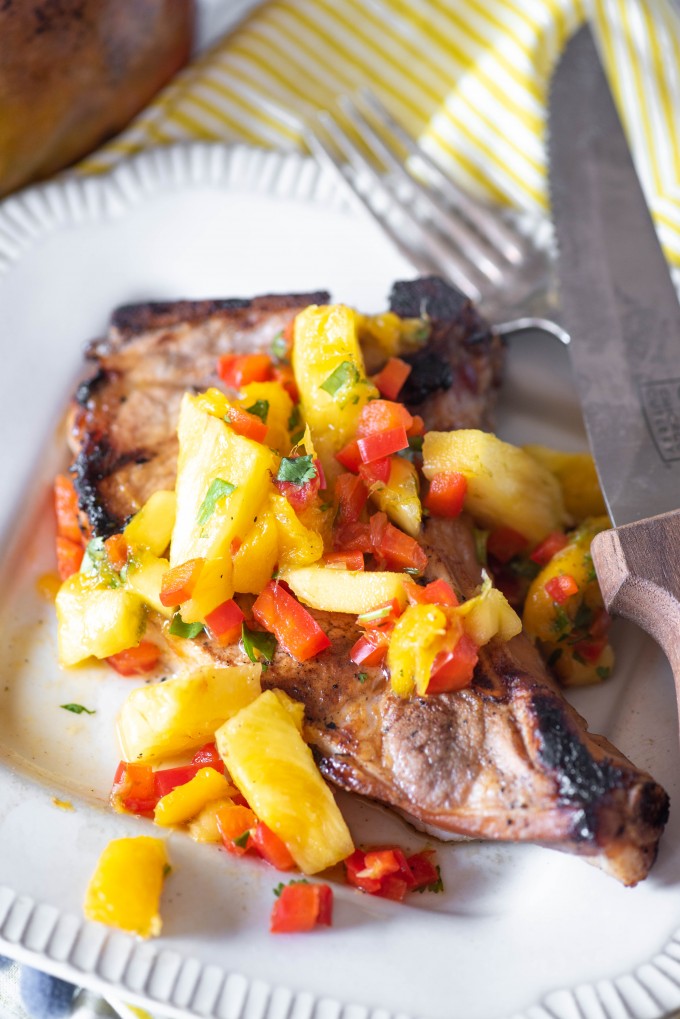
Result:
[[344, 590], [152, 526], [96, 620], [298, 545], [212, 456], [258, 555], [400, 498], [145, 575], [163, 719], [126, 887], [562, 630], [283, 785], [326, 353], [203, 827], [506, 486], [186, 801], [418, 637], [578, 479], [278, 414], [214, 585]]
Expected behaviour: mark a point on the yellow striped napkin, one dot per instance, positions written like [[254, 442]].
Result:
[[469, 77]]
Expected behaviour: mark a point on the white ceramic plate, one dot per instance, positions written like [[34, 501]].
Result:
[[520, 931]]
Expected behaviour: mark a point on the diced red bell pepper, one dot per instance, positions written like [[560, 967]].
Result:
[[208, 756], [601, 624], [417, 427], [66, 509], [344, 560], [378, 863], [423, 869], [117, 551], [561, 588], [453, 670], [377, 472], [383, 872], [168, 779], [135, 660], [271, 848], [590, 650], [504, 543], [299, 496], [371, 648], [392, 377], [301, 907], [351, 495], [349, 457], [353, 538], [247, 424], [354, 865], [69, 556], [379, 416], [544, 551], [134, 789], [438, 592], [379, 445], [447, 494], [283, 374], [235, 825], [294, 627], [398, 550], [178, 584], [237, 370], [224, 623]]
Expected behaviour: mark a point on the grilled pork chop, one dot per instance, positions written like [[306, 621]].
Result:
[[507, 758]]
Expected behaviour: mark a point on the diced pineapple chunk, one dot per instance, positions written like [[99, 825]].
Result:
[[145, 576], [215, 585], [488, 615], [278, 414], [344, 590], [152, 526], [399, 498], [578, 479], [96, 620], [258, 555], [283, 784], [126, 887], [506, 486], [298, 545], [187, 800], [163, 719], [210, 452], [326, 343]]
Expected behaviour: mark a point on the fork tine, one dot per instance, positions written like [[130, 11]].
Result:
[[437, 254], [470, 243], [487, 222]]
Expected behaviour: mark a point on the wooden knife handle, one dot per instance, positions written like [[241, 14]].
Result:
[[638, 566]]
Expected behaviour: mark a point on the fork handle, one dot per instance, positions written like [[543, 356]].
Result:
[[638, 566]]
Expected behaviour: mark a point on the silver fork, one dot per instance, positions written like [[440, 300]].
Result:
[[434, 224]]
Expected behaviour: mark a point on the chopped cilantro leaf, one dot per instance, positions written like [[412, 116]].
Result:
[[522, 567], [258, 645], [279, 888], [242, 840], [588, 562], [603, 672], [167, 869], [554, 657], [281, 885], [584, 617], [298, 437], [344, 376], [181, 629], [297, 469], [77, 709], [260, 409], [362, 676], [480, 545], [218, 490], [279, 347], [562, 623], [374, 614]]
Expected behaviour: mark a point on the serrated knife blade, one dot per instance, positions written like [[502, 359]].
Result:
[[620, 308]]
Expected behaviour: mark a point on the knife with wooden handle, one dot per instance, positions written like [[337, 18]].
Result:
[[622, 313]]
